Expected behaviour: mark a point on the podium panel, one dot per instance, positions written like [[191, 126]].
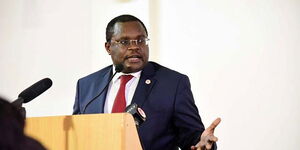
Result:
[[85, 132]]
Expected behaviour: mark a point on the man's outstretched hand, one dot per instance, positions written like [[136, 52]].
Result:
[[207, 137]]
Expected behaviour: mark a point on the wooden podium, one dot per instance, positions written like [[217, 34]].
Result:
[[85, 132]]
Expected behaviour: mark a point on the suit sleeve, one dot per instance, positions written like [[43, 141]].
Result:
[[187, 121], [76, 108]]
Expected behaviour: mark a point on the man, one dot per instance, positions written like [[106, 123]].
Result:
[[164, 95]]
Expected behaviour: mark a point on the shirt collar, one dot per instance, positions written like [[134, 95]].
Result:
[[117, 76]]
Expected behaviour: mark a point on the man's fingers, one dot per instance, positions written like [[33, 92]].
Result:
[[194, 148], [207, 137], [214, 124], [208, 146], [212, 139]]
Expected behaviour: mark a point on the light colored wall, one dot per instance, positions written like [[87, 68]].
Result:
[[243, 61], [241, 57], [59, 39]]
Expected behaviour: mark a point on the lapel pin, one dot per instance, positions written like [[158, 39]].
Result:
[[148, 81]]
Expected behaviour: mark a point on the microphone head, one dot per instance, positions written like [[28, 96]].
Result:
[[137, 113], [35, 90], [119, 67]]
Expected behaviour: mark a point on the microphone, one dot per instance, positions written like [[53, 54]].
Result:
[[30, 93], [118, 68], [33, 91], [139, 117], [137, 113]]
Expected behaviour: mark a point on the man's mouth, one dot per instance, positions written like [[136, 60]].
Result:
[[134, 58]]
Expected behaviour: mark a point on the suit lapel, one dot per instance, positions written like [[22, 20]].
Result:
[[100, 100], [106, 79], [145, 85]]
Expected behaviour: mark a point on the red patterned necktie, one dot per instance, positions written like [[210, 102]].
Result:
[[120, 101]]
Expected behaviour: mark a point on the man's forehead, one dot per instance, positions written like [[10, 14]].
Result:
[[128, 29]]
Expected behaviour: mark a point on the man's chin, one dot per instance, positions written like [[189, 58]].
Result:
[[133, 67]]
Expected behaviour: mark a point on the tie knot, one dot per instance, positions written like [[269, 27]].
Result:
[[125, 78]]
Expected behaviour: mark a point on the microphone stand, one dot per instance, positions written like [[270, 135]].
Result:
[[18, 104]]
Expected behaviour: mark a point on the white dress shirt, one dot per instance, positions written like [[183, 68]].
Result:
[[114, 88]]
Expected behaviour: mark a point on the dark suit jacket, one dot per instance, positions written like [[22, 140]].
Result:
[[172, 116]]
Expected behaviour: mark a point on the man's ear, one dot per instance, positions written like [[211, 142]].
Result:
[[107, 47]]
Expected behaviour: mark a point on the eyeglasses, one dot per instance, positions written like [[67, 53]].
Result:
[[126, 43]]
